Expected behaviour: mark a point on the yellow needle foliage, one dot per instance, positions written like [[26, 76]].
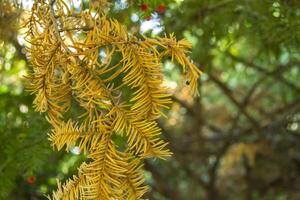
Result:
[[80, 58]]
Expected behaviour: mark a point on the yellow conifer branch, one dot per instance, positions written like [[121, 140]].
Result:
[[64, 47]]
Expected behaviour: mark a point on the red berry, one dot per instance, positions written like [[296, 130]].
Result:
[[144, 7], [31, 179], [161, 8], [148, 17]]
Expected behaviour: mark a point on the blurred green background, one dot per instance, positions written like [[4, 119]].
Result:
[[240, 139]]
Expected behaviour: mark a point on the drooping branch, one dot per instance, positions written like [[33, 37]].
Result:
[[66, 66]]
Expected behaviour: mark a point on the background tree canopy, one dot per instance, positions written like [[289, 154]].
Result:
[[240, 139]]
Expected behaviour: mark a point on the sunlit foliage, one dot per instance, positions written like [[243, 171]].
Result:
[[81, 58]]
